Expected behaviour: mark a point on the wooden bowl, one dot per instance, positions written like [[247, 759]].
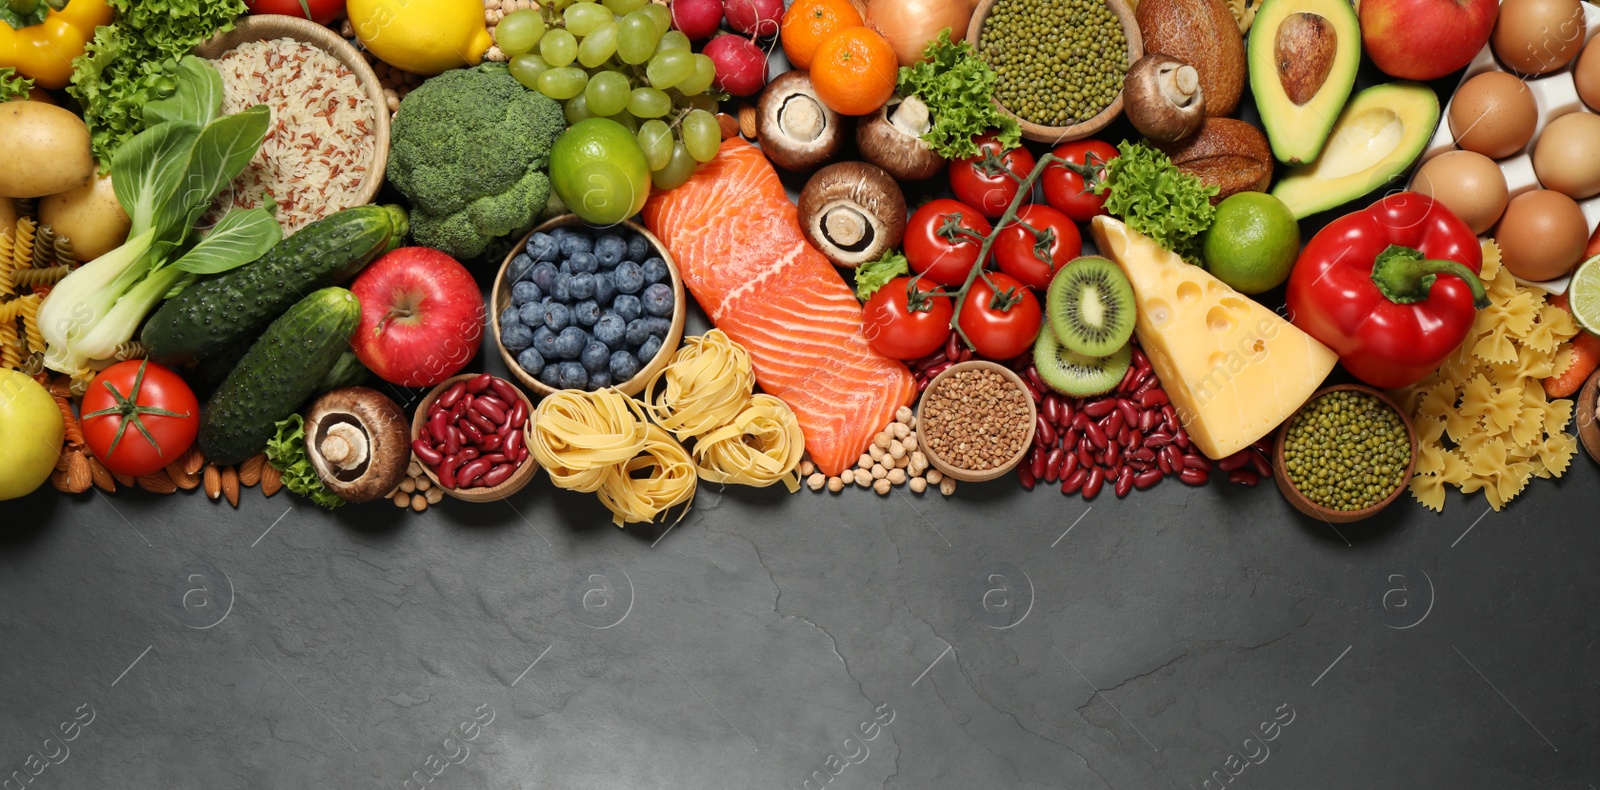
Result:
[[1306, 506], [1588, 429], [1060, 134], [266, 27], [970, 475], [513, 484], [500, 299]]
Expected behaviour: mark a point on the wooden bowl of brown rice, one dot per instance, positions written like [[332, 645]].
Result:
[[329, 139]]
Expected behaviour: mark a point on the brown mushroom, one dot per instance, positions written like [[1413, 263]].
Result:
[[1163, 99], [853, 212], [797, 131], [891, 138], [358, 441]]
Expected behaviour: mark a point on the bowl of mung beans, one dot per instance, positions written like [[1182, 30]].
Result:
[[1345, 455], [1059, 63], [976, 421]]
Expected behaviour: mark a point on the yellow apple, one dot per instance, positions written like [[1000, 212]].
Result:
[[30, 430]]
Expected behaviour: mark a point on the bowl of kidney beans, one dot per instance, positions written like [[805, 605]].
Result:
[[470, 434]]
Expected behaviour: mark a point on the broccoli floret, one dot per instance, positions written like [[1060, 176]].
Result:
[[470, 149]]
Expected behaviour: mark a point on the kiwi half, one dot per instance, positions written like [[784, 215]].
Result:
[[1078, 375], [1091, 307]]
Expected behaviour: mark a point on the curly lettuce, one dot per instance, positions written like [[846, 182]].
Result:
[[1150, 193], [957, 87], [872, 275], [287, 453], [13, 86]]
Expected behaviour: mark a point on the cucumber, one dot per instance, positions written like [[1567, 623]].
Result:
[[219, 316], [347, 372], [281, 370]]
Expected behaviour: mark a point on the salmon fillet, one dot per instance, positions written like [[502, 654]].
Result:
[[737, 243]]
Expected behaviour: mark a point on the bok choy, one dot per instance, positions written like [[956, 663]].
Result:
[[165, 178]]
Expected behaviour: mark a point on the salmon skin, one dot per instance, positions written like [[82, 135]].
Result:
[[737, 243]]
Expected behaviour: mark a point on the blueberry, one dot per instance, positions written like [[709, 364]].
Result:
[[605, 288], [544, 341], [652, 345], [566, 267], [638, 330], [658, 299], [541, 247], [573, 242], [511, 315], [570, 343], [581, 286], [611, 330], [520, 266], [638, 247], [532, 314], [586, 313], [595, 357], [627, 306], [573, 376], [543, 275], [525, 292], [560, 289], [530, 360], [655, 270], [515, 336], [657, 327], [551, 376], [610, 249], [630, 278], [623, 366], [557, 316], [599, 380], [584, 262]]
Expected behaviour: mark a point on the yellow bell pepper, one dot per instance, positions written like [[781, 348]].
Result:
[[44, 51]]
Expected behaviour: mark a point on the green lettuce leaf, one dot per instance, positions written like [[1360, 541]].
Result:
[[1150, 193], [872, 275], [287, 454], [958, 87], [12, 86]]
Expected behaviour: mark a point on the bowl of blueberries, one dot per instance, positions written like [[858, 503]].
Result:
[[585, 308]]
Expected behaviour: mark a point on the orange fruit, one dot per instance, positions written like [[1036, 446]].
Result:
[[854, 71], [808, 22]]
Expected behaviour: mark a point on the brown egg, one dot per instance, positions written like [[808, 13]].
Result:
[[1587, 75], [1541, 235], [1493, 114], [1468, 183], [1538, 36], [1567, 156]]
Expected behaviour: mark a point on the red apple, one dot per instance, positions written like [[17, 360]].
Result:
[[421, 317], [1425, 39]]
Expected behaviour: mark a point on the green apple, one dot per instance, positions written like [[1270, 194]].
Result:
[[30, 430]]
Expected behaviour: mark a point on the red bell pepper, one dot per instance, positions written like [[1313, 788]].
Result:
[[1393, 288]]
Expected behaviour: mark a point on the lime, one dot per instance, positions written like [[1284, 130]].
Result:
[[599, 171], [1583, 295], [1253, 242]]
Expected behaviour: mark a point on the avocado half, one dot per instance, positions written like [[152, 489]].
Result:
[[1381, 131], [1303, 58]]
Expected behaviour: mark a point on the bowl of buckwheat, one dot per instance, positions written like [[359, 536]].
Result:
[[976, 421]]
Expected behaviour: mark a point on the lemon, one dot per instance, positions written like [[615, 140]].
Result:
[[424, 37], [1253, 242], [1583, 296]]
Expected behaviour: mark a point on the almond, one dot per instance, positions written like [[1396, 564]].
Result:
[[181, 478], [61, 387], [230, 485], [126, 481], [213, 481], [158, 483], [747, 121], [1233, 156], [729, 124], [102, 476], [271, 480], [194, 460], [79, 475], [58, 479], [61, 459], [250, 471]]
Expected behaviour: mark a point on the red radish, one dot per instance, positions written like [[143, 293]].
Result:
[[421, 317], [697, 19], [741, 65], [753, 17]]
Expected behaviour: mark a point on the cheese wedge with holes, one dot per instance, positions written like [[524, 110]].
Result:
[[1233, 369]]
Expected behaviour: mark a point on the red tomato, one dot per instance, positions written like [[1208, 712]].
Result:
[[322, 11], [1037, 245], [900, 330], [982, 181], [138, 417], [1068, 187], [1000, 324], [940, 240]]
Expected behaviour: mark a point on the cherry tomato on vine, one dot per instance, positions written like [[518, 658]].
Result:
[[138, 417], [901, 327], [322, 11], [943, 238], [989, 181], [1037, 245], [1068, 186], [1001, 321]]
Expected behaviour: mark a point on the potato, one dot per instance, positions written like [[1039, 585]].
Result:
[[44, 149], [89, 216]]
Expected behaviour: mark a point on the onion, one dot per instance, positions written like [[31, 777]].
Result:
[[910, 24]]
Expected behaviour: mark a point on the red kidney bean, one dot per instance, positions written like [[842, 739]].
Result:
[[1070, 438], [1259, 461], [518, 415], [1143, 454], [472, 470], [1047, 410], [1130, 438], [1144, 480], [1033, 392], [1114, 424], [1157, 440], [1153, 398], [934, 371], [468, 453], [503, 390], [1068, 411], [451, 394], [1162, 464], [1113, 456], [1036, 380], [483, 423], [1036, 458], [1147, 420], [1099, 408], [1243, 477], [491, 407], [1174, 458], [1129, 379], [447, 471], [1025, 477], [499, 474], [1052, 463], [494, 458], [1139, 357], [1072, 484], [1092, 485], [438, 427], [492, 442], [429, 456], [1181, 438], [1232, 462], [473, 432], [1069, 465], [1196, 461], [1097, 437], [522, 454], [1169, 415], [952, 346], [1081, 421], [1194, 477], [513, 444], [1130, 413], [1146, 386], [1086, 455], [479, 383], [1124, 482]]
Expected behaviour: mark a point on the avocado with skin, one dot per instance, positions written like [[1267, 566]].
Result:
[[1303, 57], [1381, 131]]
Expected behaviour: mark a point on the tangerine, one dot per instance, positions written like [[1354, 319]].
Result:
[[808, 22], [854, 71]]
